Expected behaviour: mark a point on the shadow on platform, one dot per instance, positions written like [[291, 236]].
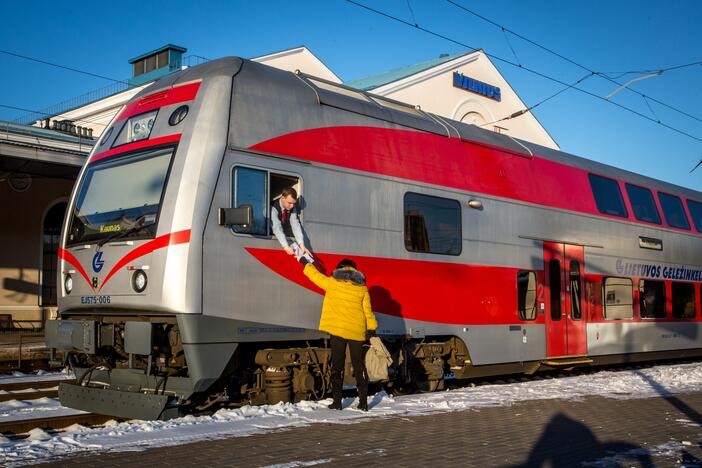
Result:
[[566, 443]]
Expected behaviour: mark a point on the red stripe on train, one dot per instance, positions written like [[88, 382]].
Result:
[[175, 95], [137, 145], [180, 237], [436, 292], [68, 257], [447, 162]]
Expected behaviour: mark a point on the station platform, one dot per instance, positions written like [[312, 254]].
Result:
[[594, 431]]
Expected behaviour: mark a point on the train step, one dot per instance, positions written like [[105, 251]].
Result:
[[567, 362]]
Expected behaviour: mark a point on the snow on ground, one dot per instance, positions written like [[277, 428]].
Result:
[[139, 435], [19, 377]]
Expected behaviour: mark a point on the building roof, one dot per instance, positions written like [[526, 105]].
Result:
[[376, 81], [7, 128], [156, 51]]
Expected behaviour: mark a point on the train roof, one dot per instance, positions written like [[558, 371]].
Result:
[[402, 114]]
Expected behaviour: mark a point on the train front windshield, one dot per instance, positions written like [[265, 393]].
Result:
[[120, 198]]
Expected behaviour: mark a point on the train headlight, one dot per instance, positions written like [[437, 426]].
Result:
[[139, 281], [139, 128], [178, 115], [68, 284]]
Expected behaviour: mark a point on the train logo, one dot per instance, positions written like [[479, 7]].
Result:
[[98, 262]]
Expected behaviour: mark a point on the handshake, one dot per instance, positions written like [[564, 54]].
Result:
[[301, 253]]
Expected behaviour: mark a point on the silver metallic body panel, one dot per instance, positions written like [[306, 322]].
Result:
[[641, 337]]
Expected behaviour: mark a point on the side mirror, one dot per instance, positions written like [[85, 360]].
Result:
[[240, 216]]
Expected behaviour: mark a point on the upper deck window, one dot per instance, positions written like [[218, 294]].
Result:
[[642, 204], [608, 197], [696, 213], [432, 224], [673, 211]]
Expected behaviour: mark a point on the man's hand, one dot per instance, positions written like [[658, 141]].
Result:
[[305, 250], [289, 250], [370, 334]]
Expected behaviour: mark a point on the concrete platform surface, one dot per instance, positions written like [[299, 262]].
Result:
[[599, 432]]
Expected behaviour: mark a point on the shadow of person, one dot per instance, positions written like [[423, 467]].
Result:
[[383, 302], [566, 442], [680, 405]]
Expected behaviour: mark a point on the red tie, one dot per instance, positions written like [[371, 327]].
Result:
[[284, 211]]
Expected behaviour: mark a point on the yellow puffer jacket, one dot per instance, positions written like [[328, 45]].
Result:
[[346, 311]]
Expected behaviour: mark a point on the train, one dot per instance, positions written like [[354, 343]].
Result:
[[484, 254]]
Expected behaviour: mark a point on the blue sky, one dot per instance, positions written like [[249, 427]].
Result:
[[605, 36]]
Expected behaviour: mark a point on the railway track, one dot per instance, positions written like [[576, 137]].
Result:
[[15, 429], [31, 390]]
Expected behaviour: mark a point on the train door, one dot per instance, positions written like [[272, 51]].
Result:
[[565, 322]]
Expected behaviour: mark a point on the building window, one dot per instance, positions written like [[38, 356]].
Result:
[[432, 224], [642, 204], [51, 240], [618, 302], [608, 197], [162, 59], [258, 188], [673, 211], [696, 213], [526, 295], [575, 290], [652, 299], [683, 300]]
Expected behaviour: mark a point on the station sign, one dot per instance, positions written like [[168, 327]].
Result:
[[476, 86]]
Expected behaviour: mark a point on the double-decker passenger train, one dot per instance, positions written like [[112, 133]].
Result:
[[484, 255]]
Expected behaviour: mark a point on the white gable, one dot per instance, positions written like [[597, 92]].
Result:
[[434, 91]]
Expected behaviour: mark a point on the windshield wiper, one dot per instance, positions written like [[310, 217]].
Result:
[[138, 226]]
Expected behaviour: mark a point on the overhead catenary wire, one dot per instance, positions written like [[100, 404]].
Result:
[[25, 57], [528, 109], [603, 75], [530, 70]]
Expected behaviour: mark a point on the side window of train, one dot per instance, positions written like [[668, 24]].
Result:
[[618, 298], [696, 213], [554, 273], [643, 204], [608, 197], [683, 300], [526, 295], [652, 299], [575, 290], [432, 224], [673, 211], [259, 188]]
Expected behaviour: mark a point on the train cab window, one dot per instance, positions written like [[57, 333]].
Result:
[[618, 298], [652, 299], [608, 197], [259, 188], [696, 213], [673, 211], [526, 295], [432, 224], [643, 204], [575, 290], [683, 300]]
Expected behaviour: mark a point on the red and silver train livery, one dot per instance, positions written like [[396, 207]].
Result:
[[484, 254]]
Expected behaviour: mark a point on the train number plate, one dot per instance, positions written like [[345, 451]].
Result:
[[94, 299]]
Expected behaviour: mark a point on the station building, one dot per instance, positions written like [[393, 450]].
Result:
[[40, 162]]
